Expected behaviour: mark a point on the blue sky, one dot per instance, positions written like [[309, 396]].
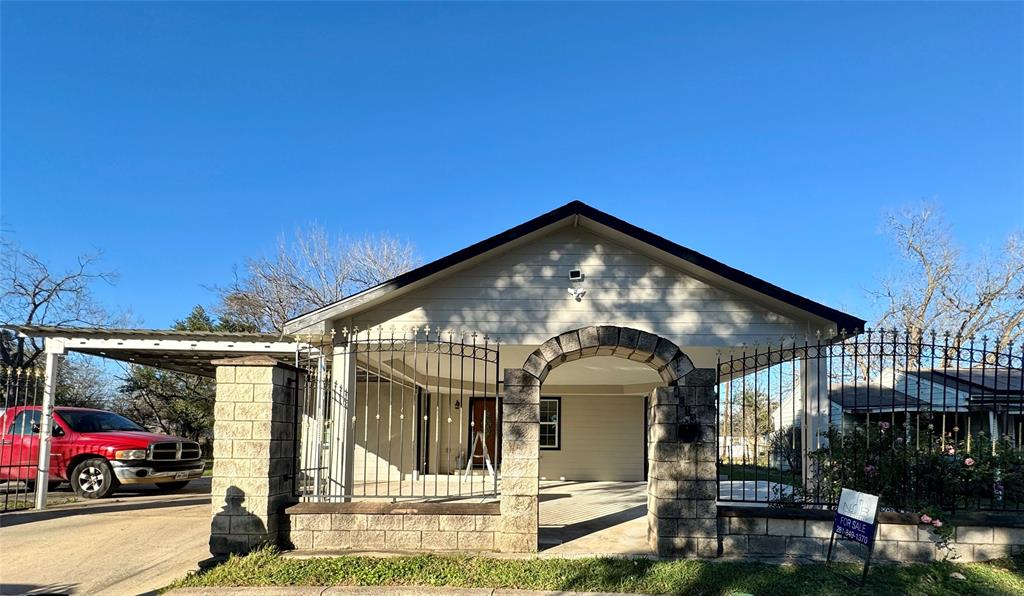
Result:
[[181, 138]]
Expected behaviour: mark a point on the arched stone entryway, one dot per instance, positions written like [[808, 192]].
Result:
[[640, 346], [681, 489]]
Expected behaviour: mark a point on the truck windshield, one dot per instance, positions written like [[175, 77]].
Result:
[[84, 421]]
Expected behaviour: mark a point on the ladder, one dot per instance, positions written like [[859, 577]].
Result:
[[478, 438]]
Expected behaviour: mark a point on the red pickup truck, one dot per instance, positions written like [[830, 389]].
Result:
[[96, 451]]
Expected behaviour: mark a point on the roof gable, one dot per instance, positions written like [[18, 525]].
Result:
[[566, 215]]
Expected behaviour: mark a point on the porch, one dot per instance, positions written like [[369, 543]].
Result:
[[581, 519]]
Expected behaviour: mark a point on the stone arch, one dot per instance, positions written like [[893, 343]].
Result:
[[658, 353], [681, 504]]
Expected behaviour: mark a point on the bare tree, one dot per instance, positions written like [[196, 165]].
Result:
[[32, 293], [936, 289], [312, 270], [83, 383]]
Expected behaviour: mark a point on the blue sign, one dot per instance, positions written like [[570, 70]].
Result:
[[855, 516]]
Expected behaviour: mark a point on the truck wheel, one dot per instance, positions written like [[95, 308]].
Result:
[[94, 479], [169, 486]]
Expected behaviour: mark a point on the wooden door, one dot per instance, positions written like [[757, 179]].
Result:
[[485, 422]]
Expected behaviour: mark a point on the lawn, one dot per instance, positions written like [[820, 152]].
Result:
[[267, 568], [749, 472]]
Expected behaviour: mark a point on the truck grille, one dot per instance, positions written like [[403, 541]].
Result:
[[175, 451]]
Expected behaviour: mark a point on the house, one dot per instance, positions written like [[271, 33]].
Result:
[[561, 384], [964, 401], [571, 269]]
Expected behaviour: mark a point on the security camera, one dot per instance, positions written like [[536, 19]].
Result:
[[575, 275]]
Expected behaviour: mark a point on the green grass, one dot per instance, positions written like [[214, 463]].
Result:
[[267, 568], [749, 472]]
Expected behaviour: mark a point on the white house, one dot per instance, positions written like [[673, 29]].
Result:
[[573, 268]]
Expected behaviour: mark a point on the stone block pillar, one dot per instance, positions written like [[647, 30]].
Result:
[[254, 451], [682, 472], [520, 460]]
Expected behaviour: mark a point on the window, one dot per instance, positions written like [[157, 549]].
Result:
[[95, 421], [550, 423], [25, 423]]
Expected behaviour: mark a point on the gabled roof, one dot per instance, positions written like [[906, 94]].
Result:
[[576, 209], [991, 379]]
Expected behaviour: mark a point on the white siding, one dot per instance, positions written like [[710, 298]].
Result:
[[522, 296], [602, 439], [385, 447]]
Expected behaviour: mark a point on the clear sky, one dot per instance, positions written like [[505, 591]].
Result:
[[182, 138]]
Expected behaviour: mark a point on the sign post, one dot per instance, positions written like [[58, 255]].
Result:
[[857, 520]]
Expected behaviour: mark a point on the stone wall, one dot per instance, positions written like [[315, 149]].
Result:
[[803, 536], [253, 451], [681, 486], [372, 526]]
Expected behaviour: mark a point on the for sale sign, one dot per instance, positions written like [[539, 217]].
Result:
[[856, 515]]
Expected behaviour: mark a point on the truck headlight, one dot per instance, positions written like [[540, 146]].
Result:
[[130, 454]]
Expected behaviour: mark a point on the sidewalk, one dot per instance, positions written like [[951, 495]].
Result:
[[378, 591]]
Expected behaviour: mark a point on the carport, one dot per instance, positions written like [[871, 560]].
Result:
[[182, 351]]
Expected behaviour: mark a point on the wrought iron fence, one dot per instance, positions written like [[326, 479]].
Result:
[[19, 439], [398, 415], [924, 421]]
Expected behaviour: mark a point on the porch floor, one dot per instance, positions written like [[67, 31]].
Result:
[[593, 518]]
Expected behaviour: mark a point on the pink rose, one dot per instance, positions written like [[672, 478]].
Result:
[[950, 450], [884, 425], [969, 462], [925, 519], [937, 523]]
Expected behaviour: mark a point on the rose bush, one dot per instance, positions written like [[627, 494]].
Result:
[[915, 469], [911, 473]]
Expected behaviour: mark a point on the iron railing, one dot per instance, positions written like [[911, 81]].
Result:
[[19, 435], [396, 415], [924, 421]]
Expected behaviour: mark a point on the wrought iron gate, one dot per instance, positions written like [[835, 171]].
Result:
[[19, 435], [390, 415]]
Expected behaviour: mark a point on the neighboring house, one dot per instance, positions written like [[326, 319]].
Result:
[[569, 269], [971, 400]]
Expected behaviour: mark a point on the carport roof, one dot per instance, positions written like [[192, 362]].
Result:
[[182, 351]]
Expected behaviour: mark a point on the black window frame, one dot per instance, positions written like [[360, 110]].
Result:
[[557, 423]]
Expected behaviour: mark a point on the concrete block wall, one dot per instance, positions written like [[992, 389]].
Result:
[[253, 451], [520, 462], [463, 527], [754, 535], [682, 487]]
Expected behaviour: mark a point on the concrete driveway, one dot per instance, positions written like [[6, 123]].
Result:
[[580, 519], [133, 543]]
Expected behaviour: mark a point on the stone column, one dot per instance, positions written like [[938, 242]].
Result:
[[520, 459], [681, 486], [254, 452]]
